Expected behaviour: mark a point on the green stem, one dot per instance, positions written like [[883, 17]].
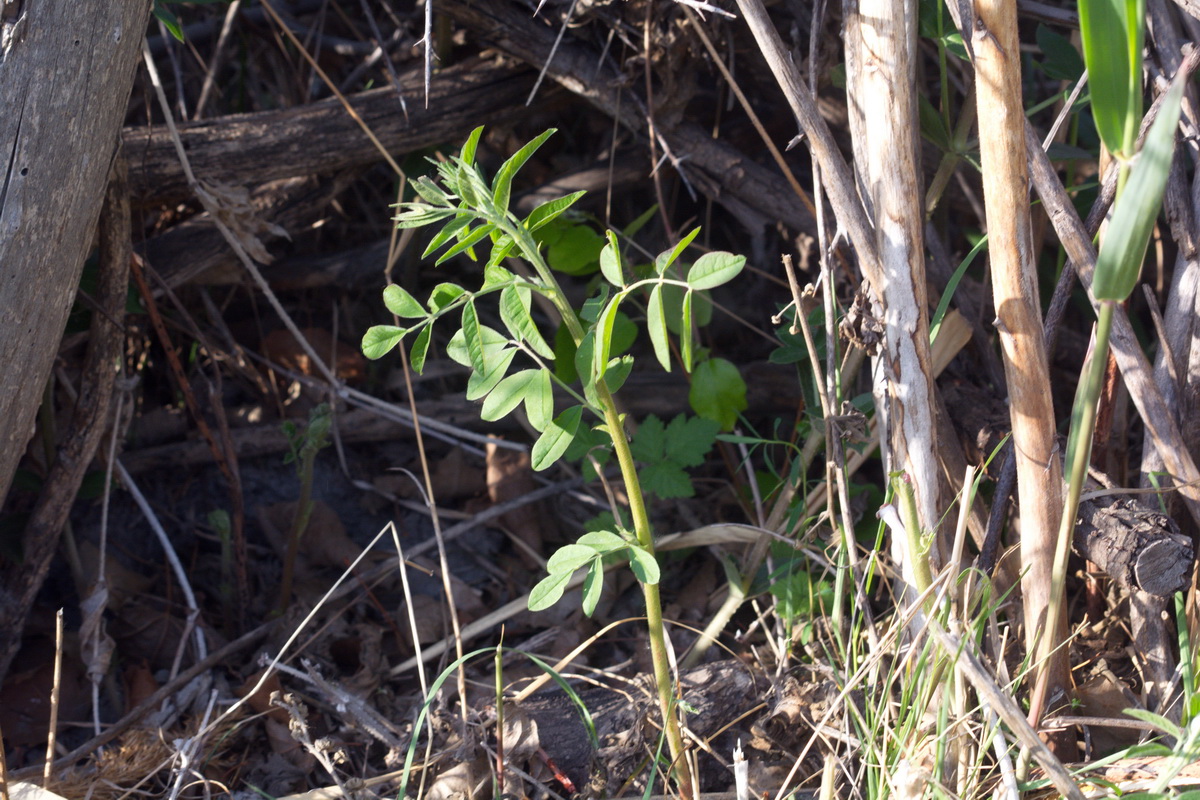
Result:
[[1083, 424], [654, 617], [637, 509]]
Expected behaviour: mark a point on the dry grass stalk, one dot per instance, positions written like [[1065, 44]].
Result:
[[1018, 321]]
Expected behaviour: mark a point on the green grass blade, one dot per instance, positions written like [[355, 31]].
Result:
[[1111, 30], [1120, 261]]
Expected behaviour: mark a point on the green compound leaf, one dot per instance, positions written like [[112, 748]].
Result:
[[604, 336], [494, 343], [550, 210], [466, 243], [593, 587], [1120, 261], [416, 215], [539, 401], [420, 349], [514, 311], [603, 542], [443, 295], [718, 392], [673, 307], [617, 372], [557, 437], [401, 303], [452, 229], [495, 276], [502, 185], [507, 395], [644, 565], [548, 591], [428, 191], [472, 336], [610, 262], [584, 358], [569, 558], [502, 247], [379, 340], [480, 383], [668, 257], [467, 154], [714, 269], [656, 324]]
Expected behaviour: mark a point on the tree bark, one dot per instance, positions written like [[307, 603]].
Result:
[[66, 70]]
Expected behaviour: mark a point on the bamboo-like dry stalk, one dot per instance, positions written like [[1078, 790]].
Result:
[[882, 70], [1018, 320]]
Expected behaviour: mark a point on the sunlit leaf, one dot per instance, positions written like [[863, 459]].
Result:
[[420, 349], [603, 346], [401, 303], [502, 185], [644, 565], [603, 541], [473, 338], [714, 269], [550, 210], [507, 395], [593, 587], [548, 591], [379, 340], [494, 343], [514, 311], [443, 295], [539, 401], [668, 257], [557, 437], [480, 383], [656, 324], [467, 154], [610, 262], [466, 243], [570, 557], [448, 232]]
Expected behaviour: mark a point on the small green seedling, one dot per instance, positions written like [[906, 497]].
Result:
[[475, 215], [303, 446]]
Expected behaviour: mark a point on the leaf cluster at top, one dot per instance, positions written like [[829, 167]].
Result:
[[474, 214]]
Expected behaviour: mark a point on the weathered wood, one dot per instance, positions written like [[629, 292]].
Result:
[[66, 70], [1138, 548], [20, 583], [321, 138]]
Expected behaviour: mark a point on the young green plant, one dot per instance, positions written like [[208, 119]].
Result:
[[303, 446], [476, 214], [1112, 45]]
